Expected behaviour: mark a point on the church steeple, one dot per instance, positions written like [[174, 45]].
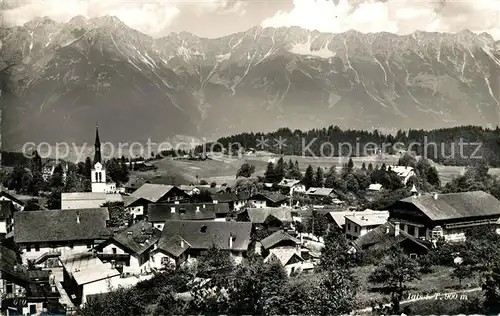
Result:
[[97, 146]]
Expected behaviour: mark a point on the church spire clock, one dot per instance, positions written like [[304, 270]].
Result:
[[97, 146]]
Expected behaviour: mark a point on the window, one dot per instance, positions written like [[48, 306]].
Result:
[[10, 288], [89, 246], [413, 255], [164, 260], [127, 263], [349, 226], [37, 247], [114, 251], [32, 309], [28, 248], [411, 230], [355, 229]]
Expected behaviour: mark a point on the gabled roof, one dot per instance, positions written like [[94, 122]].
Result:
[[136, 183], [375, 187], [6, 209], [206, 234], [320, 191], [230, 197], [60, 225], [175, 245], [283, 255], [138, 238], [339, 217], [456, 205], [383, 237], [152, 192], [260, 215], [276, 238], [185, 211]]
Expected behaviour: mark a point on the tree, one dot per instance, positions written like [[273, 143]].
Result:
[[370, 167], [212, 260], [336, 252], [246, 170], [280, 171], [395, 271], [118, 215], [213, 184], [88, 167], [117, 171], [270, 175], [317, 224], [308, 180], [247, 185], [31, 205], [350, 165], [293, 171], [54, 199], [461, 272], [203, 182], [319, 179]]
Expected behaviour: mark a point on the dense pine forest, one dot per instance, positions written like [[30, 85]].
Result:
[[459, 146]]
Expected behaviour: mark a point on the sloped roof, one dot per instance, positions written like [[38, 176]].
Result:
[[259, 215], [10, 265], [276, 238], [270, 196], [205, 234], [175, 245], [230, 197], [139, 237], [383, 237], [136, 183], [375, 187], [368, 219], [60, 225], [456, 205], [288, 183], [152, 192], [88, 199], [339, 217], [87, 268], [283, 254], [320, 191], [186, 211], [12, 197]]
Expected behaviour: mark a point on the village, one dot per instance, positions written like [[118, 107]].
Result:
[[57, 261]]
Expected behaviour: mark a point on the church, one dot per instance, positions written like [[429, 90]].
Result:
[[98, 174]]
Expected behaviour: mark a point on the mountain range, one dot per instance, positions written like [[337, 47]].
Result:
[[58, 79]]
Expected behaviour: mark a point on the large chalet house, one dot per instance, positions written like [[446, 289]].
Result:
[[184, 240], [52, 233], [138, 201], [129, 249], [159, 213], [432, 216], [269, 218], [358, 224], [235, 200], [289, 186]]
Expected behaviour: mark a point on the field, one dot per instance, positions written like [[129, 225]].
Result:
[[223, 169]]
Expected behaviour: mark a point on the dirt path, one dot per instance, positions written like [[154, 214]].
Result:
[[369, 309]]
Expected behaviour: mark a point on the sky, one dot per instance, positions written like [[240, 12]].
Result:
[[215, 18]]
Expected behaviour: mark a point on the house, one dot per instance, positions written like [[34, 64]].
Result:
[[321, 192], [292, 185], [270, 199], [382, 238], [184, 240], [235, 200], [129, 249], [85, 274], [375, 187], [430, 216], [7, 210], [49, 168], [18, 202], [133, 185], [404, 173], [288, 257], [159, 213], [272, 218], [138, 201], [42, 294], [360, 223], [52, 233], [277, 239], [14, 280], [190, 189], [79, 200]]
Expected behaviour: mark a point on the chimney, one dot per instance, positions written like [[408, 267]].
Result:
[[129, 234], [231, 239], [435, 196], [182, 243], [197, 209], [387, 230], [78, 217], [396, 228], [204, 206], [172, 209]]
